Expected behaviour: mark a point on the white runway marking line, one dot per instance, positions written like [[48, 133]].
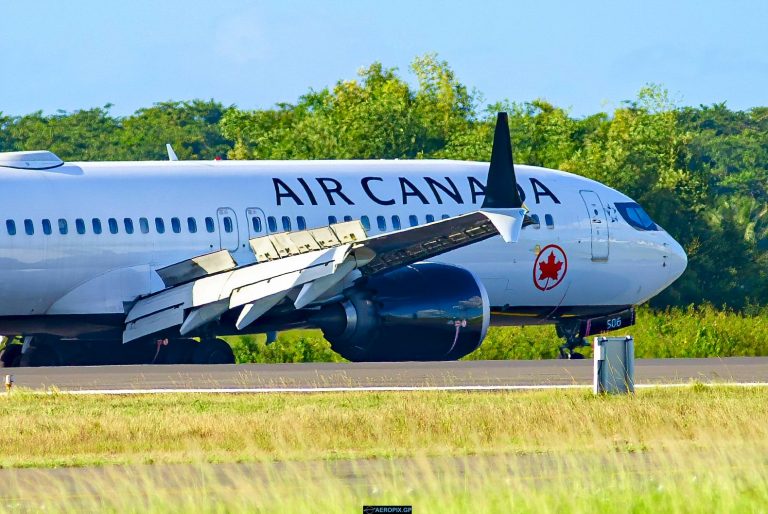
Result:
[[376, 389]]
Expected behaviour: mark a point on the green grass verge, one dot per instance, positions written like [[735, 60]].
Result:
[[693, 332], [67, 430]]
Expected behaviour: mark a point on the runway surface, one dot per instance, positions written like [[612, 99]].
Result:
[[335, 376]]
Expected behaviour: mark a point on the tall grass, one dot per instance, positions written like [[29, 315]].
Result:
[[713, 481], [673, 333], [67, 430], [696, 449], [692, 332], [291, 346]]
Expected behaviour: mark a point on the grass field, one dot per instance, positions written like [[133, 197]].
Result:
[[64, 430], [691, 449], [693, 332], [715, 480]]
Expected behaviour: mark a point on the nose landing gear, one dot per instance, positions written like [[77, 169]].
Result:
[[572, 334]]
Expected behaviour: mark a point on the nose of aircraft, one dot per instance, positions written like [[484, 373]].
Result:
[[677, 260]]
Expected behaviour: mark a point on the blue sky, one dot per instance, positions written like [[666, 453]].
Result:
[[585, 55]]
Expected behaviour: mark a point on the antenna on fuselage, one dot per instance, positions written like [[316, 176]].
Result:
[[171, 154], [501, 187]]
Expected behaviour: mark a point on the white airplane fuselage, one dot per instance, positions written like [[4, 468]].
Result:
[[53, 268]]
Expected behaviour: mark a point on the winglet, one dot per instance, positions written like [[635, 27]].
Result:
[[501, 188], [171, 153], [508, 222]]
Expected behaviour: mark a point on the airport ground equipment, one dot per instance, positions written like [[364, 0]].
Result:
[[614, 371]]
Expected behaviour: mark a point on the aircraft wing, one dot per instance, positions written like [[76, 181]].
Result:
[[199, 290], [310, 262]]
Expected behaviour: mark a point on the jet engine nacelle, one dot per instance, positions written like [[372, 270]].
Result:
[[425, 311]]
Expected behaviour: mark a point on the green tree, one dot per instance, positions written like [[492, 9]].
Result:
[[375, 116], [191, 128], [87, 135]]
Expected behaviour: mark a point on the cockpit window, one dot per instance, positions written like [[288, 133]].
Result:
[[636, 216]]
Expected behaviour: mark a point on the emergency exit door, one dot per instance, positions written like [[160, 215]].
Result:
[[256, 225], [229, 237], [598, 223]]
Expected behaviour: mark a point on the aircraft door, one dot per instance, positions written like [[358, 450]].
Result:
[[256, 220], [598, 223], [229, 237]]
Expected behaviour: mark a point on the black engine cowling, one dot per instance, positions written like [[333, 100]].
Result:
[[422, 312]]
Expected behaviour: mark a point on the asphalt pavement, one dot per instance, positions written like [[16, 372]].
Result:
[[377, 375]]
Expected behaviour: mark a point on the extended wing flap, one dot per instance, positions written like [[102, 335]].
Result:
[[206, 298]]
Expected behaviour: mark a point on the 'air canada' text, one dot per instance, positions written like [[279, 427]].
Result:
[[391, 191]]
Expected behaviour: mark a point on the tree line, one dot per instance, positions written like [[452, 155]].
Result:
[[700, 172]]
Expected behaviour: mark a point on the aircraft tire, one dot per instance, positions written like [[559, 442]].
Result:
[[10, 357], [41, 353], [179, 351], [213, 351]]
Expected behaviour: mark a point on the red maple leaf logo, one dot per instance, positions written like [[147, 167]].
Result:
[[550, 268]]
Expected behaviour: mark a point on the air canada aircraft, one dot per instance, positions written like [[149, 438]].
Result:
[[139, 262]]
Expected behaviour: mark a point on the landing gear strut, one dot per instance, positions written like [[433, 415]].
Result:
[[573, 340]]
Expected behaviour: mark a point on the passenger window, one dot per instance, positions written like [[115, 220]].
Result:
[[96, 224], [112, 222], [209, 226], [272, 224], [366, 223], [536, 222], [256, 224], [381, 222], [430, 218], [445, 216], [80, 226], [347, 218], [160, 225], [47, 227], [144, 225], [10, 226], [301, 223], [29, 227], [63, 227], [286, 223], [413, 220], [176, 225], [228, 227], [396, 222], [192, 225], [128, 222], [332, 220], [549, 221]]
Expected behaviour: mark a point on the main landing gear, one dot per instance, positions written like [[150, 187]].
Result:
[[43, 350], [10, 356], [208, 350], [573, 340]]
